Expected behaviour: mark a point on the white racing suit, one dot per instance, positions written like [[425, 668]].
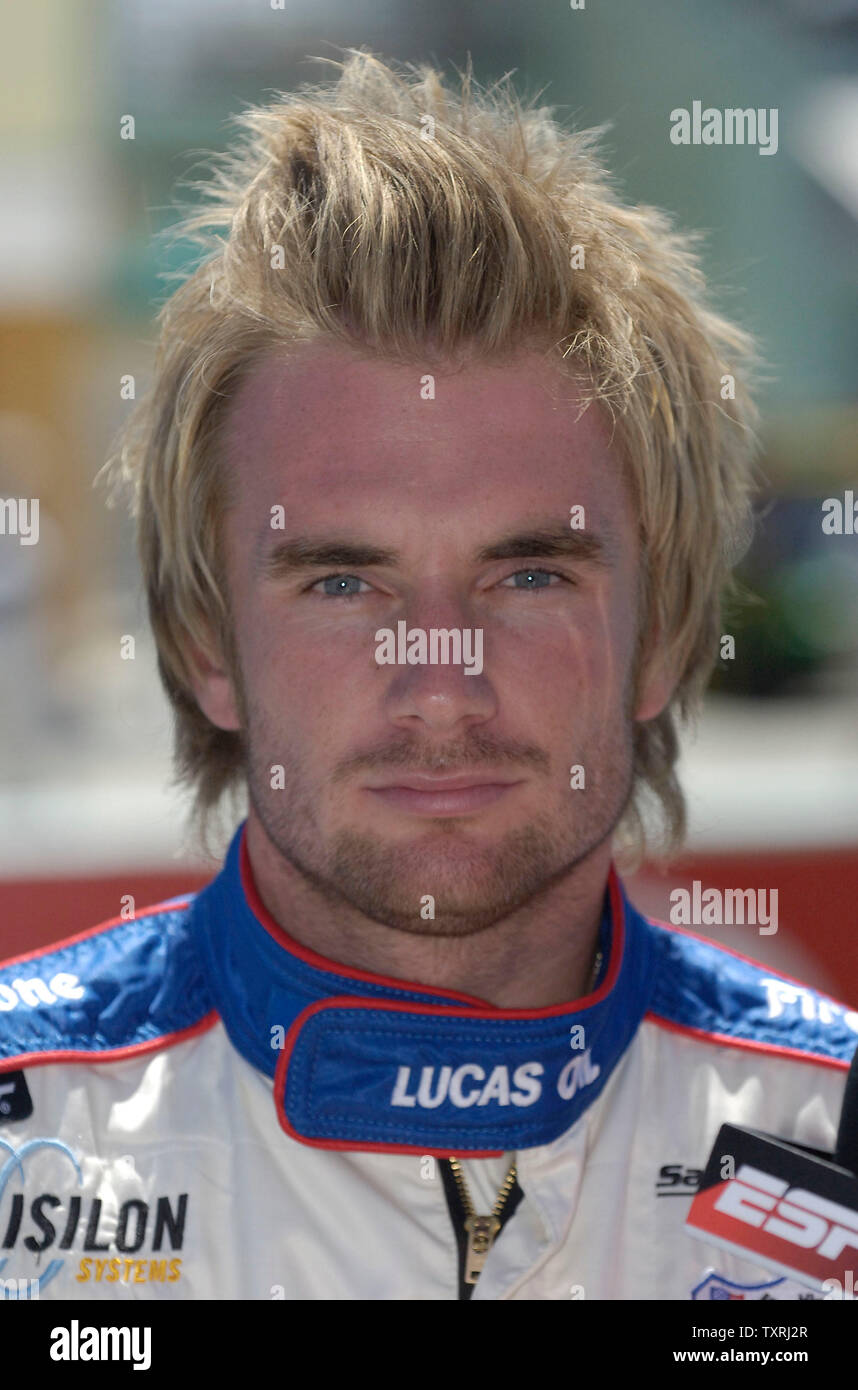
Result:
[[194, 1106]]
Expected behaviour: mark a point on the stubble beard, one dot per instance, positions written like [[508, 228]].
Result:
[[472, 884]]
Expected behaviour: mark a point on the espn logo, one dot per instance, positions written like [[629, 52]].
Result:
[[792, 1214]]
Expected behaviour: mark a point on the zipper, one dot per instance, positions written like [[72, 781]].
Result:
[[476, 1234]]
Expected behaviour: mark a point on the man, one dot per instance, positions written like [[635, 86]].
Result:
[[437, 488]]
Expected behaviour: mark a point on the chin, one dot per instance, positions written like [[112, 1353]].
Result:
[[455, 915]]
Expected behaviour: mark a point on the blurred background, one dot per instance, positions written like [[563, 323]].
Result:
[[87, 810]]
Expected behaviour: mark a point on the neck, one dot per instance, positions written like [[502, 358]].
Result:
[[539, 955]]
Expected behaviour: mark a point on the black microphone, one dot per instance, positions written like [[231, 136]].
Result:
[[786, 1206]]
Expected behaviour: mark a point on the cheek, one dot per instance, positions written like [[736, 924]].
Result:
[[572, 661], [308, 671]]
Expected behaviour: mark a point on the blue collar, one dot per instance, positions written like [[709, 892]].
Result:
[[363, 1062]]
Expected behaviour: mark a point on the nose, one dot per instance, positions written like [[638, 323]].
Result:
[[443, 685]]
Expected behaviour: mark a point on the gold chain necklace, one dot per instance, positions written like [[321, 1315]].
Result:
[[482, 1230]]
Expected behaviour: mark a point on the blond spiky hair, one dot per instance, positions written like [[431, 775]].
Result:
[[393, 213]]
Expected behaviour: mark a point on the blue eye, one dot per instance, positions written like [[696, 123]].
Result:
[[339, 585], [532, 579]]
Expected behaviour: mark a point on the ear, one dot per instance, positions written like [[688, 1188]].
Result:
[[657, 680], [212, 684]]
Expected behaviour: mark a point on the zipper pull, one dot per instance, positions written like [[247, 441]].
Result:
[[481, 1232]]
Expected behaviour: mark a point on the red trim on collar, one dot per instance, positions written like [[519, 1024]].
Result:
[[114, 1054], [50, 947], [288, 943], [748, 1044], [739, 955]]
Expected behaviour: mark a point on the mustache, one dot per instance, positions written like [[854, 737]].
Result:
[[466, 754]]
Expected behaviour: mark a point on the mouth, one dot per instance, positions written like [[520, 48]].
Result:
[[449, 795]]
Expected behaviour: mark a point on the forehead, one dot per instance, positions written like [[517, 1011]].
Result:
[[332, 433]]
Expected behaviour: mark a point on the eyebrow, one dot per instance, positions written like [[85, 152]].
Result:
[[544, 542], [308, 552]]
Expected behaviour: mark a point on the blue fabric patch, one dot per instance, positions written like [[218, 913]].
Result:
[[131, 983], [699, 985]]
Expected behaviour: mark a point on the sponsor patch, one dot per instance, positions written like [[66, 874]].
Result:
[[675, 1180], [107, 1227], [16, 1103], [717, 1287]]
